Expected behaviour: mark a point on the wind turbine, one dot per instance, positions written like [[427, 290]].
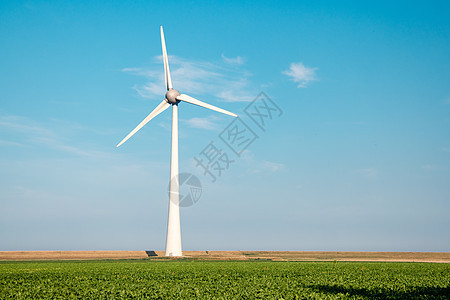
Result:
[[173, 97]]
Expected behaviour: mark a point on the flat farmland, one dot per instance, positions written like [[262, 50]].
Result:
[[186, 279], [440, 257]]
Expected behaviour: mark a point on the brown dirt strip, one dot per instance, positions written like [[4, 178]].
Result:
[[438, 257]]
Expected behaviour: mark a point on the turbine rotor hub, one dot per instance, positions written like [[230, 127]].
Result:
[[172, 95]]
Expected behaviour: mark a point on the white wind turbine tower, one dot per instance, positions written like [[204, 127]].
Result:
[[173, 97]]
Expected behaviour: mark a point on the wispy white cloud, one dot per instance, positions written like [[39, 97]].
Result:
[[10, 143], [28, 132], [233, 60], [301, 74], [24, 125], [256, 166], [430, 167], [447, 101], [273, 166], [202, 123], [370, 173], [202, 78], [59, 145]]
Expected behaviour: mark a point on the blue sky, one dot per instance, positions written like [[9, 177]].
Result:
[[358, 160]]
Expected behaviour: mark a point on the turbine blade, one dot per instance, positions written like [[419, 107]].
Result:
[[167, 77], [159, 109], [189, 99]]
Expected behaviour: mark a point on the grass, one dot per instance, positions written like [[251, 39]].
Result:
[[223, 280]]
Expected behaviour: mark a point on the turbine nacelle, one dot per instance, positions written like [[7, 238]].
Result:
[[171, 96]]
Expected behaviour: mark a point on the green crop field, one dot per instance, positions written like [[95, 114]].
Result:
[[223, 280]]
